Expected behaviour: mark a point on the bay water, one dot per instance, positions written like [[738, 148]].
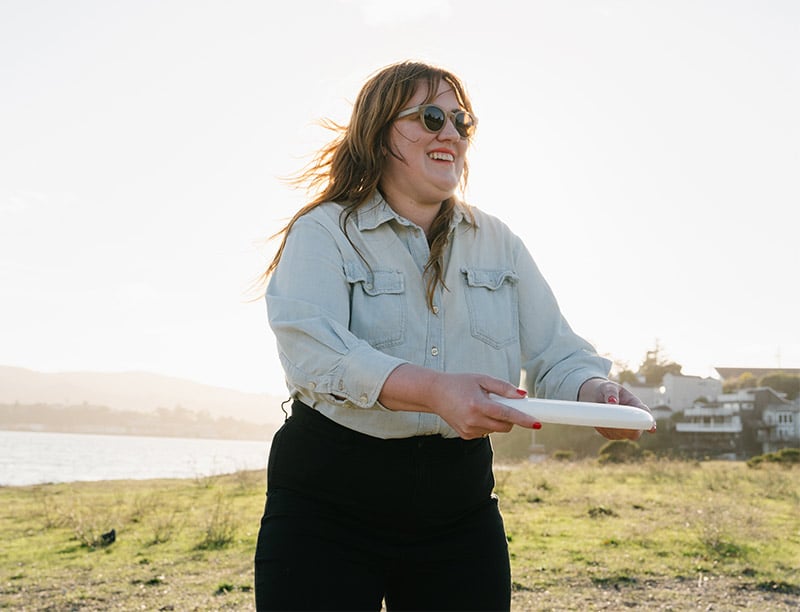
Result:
[[28, 458]]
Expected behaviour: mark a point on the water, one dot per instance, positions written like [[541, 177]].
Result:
[[36, 457]]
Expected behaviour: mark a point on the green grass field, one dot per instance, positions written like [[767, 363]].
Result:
[[583, 536]]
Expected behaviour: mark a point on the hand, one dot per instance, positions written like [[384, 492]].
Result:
[[605, 391], [463, 401]]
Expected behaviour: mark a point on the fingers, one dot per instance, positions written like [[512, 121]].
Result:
[[608, 392], [502, 388], [493, 417], [481, 415], [502, 413], [619, 434], [629, 399]]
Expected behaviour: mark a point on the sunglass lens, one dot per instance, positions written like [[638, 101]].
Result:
[[434, 118], [465, 124]]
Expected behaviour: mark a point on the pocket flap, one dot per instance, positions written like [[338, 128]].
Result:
[[377, 282], [489, 279]]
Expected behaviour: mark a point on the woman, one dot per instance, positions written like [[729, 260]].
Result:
[[397, 309]]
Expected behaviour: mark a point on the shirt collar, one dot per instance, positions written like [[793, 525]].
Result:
[[377, 211]]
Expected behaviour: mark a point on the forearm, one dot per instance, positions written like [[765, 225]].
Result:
[[460, 399], [411, 388]]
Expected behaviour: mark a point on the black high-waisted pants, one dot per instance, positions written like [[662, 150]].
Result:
[[351, 520]]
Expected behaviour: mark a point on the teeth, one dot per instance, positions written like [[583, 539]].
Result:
[[441, 156]]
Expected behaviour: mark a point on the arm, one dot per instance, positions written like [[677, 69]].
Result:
[[460, 399], [308, 300]]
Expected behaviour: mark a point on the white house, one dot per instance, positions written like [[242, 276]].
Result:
[[677, 393]]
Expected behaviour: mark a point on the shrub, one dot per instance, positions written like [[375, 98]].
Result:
[[622, 451], [785, 456], [564, 455], [220, 526]]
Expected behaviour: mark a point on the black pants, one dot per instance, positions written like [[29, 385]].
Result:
[[352, 520]]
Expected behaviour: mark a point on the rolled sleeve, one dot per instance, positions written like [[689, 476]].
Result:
[[361, 374]]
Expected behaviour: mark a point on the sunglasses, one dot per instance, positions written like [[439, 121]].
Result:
[[434, 119]]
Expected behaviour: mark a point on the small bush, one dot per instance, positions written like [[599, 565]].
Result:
[[601, 511], [622, 451], [88, 527], [788, 455], [165, 525], [564, 455], [220, 526], [785, 456]]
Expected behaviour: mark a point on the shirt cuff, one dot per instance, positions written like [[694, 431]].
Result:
[[360, 376]]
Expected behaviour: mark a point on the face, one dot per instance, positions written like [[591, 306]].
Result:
[[430, 165]]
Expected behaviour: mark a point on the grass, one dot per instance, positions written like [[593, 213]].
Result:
[[180, 544], [582, 536]]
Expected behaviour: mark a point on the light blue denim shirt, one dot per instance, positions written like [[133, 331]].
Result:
[[344, 321]]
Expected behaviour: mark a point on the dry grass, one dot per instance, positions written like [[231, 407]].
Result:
[[582, 536]]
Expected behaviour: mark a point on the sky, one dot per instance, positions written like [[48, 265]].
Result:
[[647, 152]]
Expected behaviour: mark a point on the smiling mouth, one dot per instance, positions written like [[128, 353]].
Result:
[[441, 156]]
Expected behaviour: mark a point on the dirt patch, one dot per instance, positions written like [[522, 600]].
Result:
[[720, 594]]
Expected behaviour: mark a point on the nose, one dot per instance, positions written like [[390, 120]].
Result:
[[449, 131]]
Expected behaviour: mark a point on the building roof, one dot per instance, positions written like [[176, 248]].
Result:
[[727, 373]]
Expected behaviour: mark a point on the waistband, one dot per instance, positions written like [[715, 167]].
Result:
[[434, 444]]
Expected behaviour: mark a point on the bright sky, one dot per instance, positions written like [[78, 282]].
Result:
[[646, 151]]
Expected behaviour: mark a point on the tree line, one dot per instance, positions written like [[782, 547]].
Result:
[[177, 422]]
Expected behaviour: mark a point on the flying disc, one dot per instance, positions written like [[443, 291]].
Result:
[[587, 414]]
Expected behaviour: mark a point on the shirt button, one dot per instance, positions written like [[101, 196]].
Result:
[[312, 385], [341, 385], [434, 351], [435, 310], [363, 398]]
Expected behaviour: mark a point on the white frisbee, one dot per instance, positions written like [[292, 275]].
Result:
[[587, 414]]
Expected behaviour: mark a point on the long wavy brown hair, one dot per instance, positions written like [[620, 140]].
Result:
[[348, 169]]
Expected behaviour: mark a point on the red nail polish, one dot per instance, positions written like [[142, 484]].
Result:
[[522, 392], [537, 425]]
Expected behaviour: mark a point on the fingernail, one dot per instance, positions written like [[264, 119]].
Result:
[[537, 425], [612, 400], [522, 392]]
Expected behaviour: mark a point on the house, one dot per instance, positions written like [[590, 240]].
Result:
[[681, 392], [676, 393], [740, 424], [780, 427]]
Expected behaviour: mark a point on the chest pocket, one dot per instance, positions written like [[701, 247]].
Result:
[[491, 297], [377, 305]]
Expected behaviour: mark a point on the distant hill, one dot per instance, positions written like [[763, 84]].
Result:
[[136, 392]]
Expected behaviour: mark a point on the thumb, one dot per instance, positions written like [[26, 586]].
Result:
[[511, 414], [509, 391], [500, 387]]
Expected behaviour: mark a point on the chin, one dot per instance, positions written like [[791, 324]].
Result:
[[446, 190]]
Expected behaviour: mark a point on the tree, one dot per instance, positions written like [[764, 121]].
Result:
[[745, 380], [627, 376], [655, 366], [783, 383]]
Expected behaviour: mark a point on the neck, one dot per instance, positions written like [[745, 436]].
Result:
[[418, 213]]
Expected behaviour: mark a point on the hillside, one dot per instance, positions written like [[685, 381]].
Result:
[[140, 392]]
